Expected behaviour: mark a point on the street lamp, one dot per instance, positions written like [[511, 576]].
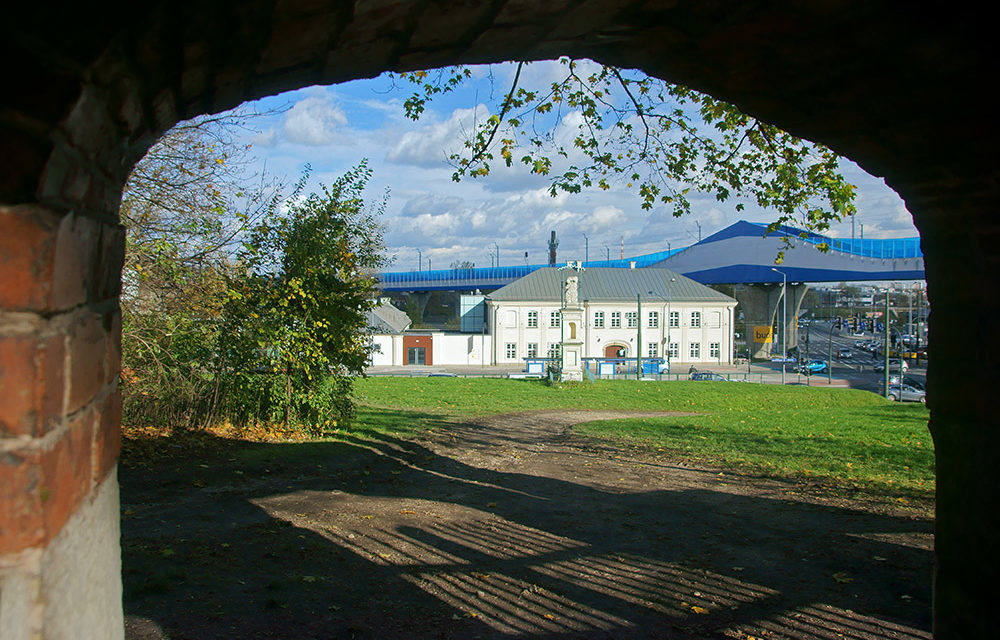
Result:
[[784, 321], [420, 261], [666, 330], [638, 337], [586, 250]]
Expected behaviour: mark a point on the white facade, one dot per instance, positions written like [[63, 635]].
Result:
[[469, 349], [702, 332]]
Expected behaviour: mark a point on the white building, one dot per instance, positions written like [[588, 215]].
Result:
[[656, 311]]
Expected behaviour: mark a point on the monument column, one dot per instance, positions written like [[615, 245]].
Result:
[[572, 331]]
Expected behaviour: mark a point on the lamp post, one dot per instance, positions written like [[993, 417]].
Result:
[[885, 347], [784, 321], [638, 337], [586, 249], [420, 261]]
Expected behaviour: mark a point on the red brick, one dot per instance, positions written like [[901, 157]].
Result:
[[27, 248], [20, 504], [31, 384], [108, 278], [108, 436], [73, 268], [87, 353], [66, 472]]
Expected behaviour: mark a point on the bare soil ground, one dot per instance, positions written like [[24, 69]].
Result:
[[513, 526]]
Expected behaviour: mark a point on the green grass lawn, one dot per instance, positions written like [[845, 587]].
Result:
[[851, 438]]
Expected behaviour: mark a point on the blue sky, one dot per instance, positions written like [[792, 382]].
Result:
[[333, 128]]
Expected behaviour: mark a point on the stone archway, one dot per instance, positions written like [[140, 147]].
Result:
[[90, 86]]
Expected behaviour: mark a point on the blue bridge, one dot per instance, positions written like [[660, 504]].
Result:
[[741, 253]]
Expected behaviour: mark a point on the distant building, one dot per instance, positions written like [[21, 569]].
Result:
[[386, 325], [680, 319]]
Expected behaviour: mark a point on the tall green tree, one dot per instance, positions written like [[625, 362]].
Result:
[[299, 312]]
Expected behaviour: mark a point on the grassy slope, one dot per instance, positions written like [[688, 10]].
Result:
[[851, 437]]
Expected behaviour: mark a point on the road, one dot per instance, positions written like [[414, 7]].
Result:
[[858, 371]]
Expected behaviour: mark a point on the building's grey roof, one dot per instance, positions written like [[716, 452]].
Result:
[[605, 284], [385, 318]]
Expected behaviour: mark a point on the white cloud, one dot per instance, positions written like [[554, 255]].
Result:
[[431, 145], [314, 121]]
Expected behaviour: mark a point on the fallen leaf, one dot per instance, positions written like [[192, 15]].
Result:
[[367, 517], [842, 577], [549, 616], [701, 610], [491, 504], [407, 511]]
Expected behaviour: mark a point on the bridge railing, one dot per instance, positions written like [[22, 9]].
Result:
[[884, 248], [478, 276]]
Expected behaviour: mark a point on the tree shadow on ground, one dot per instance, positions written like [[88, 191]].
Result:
[[386, 537]]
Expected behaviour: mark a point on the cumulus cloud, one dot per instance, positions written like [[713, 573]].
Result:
[[430, 145], [314, 121], [432, 204]]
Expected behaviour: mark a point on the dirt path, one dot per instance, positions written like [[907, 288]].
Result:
[[512, 526]]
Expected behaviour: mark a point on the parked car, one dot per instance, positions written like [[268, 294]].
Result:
[[709, 375], [906, 393], [845, 354], [655, 366], [894, 381], [813, 366]]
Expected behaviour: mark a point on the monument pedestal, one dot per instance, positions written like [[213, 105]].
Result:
[[572, 362]]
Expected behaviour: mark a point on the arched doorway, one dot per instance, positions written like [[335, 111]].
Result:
[[615, 350], [90, 87]]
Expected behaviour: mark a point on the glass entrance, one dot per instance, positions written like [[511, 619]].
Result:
[[415, 355]]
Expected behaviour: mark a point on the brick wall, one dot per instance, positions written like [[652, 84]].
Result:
[[59, 359]]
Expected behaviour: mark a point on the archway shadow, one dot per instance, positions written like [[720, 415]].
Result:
[[384, 537]]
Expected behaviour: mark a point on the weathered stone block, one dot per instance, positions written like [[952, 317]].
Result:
[[32, 379], [21, 524]]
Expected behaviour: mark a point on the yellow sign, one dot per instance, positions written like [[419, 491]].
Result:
[[762, 334]]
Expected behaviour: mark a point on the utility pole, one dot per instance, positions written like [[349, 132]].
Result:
[[829, 346], [885, 374]]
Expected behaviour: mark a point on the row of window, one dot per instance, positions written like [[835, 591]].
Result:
[[532, 350], [652, 350], [631, 319]]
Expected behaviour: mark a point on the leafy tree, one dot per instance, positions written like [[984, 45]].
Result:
[[663, 140], [299, 313], [184, 207]]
